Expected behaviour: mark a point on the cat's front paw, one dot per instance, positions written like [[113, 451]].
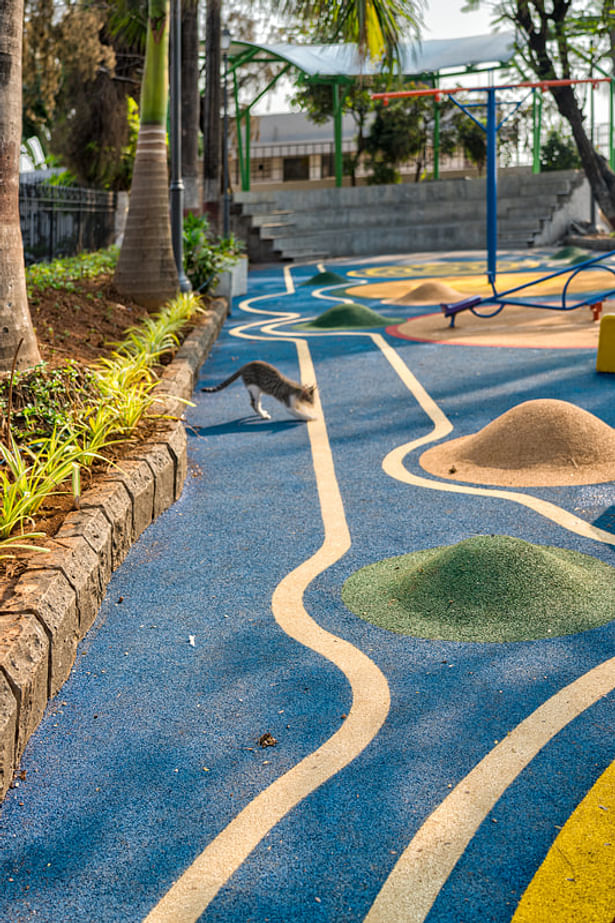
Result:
[[265, 415]]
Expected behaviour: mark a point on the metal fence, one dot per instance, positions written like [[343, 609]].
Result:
[[64, 220]]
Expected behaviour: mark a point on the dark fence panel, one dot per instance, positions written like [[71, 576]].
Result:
[[64, 220]]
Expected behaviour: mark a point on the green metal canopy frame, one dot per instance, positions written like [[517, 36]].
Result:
[[339, 65]]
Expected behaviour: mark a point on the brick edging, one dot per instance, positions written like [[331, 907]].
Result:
[[56, 600]]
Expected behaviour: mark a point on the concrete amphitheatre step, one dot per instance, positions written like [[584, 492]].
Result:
[[290, 224]]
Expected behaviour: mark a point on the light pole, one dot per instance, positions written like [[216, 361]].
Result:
[[176, 188], [225, 44]]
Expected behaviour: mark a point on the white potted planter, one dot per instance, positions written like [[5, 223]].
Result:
[[233, 278]]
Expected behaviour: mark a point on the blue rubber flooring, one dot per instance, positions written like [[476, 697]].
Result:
[[151, 747]]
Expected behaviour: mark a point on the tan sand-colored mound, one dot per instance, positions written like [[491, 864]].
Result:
[[535, 444], [429, 293], [590, 280], [515, 326]]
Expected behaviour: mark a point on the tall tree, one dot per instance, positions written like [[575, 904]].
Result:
[[190, 104], [146, 267], [547, 37], [15, 321], [212, 135], [377, 26], [79, 76]]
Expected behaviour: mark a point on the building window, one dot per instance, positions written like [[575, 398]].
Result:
[[296, 168], [261, 169], [327, 165]]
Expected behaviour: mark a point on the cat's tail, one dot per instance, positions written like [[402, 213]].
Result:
[[224, 383]]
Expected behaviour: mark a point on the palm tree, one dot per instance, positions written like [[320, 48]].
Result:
[[212, 135], [375, 25], [146, 268], [190, 104], [15, 321]]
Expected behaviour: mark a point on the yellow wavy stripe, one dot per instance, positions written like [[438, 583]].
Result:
[[418, 876], [576, 881], [194, 891]]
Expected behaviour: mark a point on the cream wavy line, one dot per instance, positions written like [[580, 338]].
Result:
[[196, 888], [417, 878], [425, 865], [393, 462]]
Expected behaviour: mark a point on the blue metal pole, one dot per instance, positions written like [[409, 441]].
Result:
[[492, 202]]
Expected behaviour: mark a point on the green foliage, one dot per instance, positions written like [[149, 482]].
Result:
[[205, 254], [27, 477], [129, 150], [64, 419], [65, 273], [377, 26], [473, 140], [397, 133], [558, 153], [382, 173], [44, 398], [200, 264], [65, 178]]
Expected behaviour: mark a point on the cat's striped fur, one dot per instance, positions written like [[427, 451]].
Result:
[[263, 378]]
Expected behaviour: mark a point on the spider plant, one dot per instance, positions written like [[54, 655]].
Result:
[[149, 340], [129, 407]]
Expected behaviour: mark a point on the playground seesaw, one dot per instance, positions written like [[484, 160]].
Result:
[[594, 300], [491, 126]]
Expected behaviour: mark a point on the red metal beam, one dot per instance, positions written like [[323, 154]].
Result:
[[538, 84]]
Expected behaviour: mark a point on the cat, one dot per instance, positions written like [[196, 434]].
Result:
[[263, 378]]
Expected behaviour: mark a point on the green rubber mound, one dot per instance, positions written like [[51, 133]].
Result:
[[487, 588], [343, 316], [572, 255], [325, 278]]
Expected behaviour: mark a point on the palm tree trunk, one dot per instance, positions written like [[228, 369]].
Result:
[[212, 139], [190, 104], [15, 321], [146, 268]]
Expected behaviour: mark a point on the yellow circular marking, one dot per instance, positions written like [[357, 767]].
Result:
[[465, 267], [588, 281], [576, 881]]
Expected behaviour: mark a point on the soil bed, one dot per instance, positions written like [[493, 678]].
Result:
[[81, 326]]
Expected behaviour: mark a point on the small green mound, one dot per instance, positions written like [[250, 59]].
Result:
[[343, 316], [325, 278], [488, 588], [572, 255]]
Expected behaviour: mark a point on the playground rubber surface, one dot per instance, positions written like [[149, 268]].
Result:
[[235, 744]]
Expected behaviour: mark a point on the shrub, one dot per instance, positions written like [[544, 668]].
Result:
[[558, 153]]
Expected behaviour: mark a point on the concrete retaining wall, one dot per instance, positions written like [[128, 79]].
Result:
[[437, 215], [55, 602]]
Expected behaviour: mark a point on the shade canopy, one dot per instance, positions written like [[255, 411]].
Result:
[[339, 64], [415, 59]]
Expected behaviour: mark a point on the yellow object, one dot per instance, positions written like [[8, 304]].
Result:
[[605, 359], [576, 880]]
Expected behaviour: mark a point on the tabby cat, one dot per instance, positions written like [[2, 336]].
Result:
[[263, 378]]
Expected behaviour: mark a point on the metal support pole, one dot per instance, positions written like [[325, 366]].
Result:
[[247, 150], [176, 188], [492, 205], [436, 132], [337, 133], [611, 145], [226, 222], [536, 128]]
